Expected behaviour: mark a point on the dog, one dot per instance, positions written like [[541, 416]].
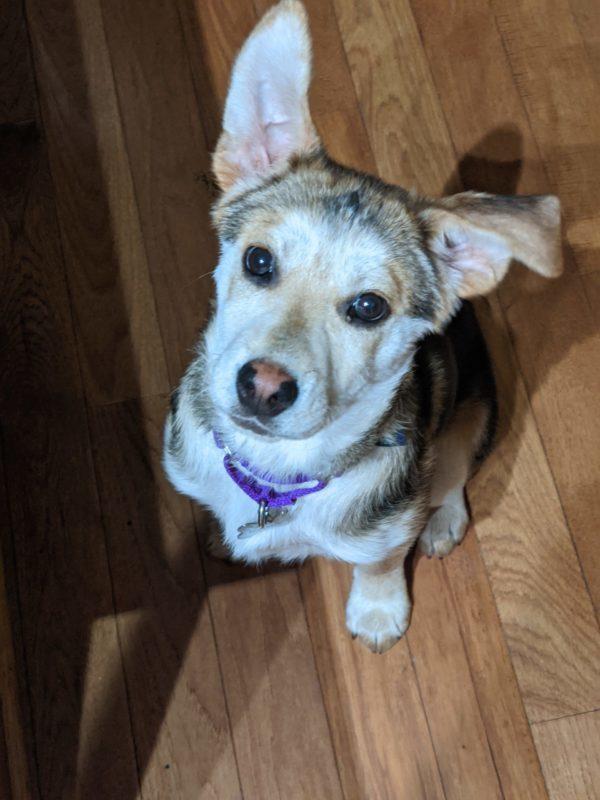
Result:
[[341, 395]]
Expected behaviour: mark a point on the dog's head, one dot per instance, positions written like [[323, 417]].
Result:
[[328, 277]]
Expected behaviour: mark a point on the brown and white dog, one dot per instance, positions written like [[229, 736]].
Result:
[[341, 395]]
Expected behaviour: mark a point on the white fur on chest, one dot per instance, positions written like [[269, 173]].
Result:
[[314, 525]]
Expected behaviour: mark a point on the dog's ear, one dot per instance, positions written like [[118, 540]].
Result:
[[474, 236], [267, 119]]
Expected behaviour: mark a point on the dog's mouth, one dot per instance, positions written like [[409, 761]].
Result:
[[251, 424], [254, 425]]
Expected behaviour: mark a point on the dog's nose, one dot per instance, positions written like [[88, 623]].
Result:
[[265, 389]]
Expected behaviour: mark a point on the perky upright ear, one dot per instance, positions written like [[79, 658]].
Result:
[[267, 119], [474, 237]]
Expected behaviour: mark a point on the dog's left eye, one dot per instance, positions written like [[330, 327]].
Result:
[[259, 262], [368, 307]]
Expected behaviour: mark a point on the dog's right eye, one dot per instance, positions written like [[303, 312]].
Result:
[[259, 262]]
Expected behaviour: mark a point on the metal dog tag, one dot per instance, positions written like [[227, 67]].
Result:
[[266, 516]]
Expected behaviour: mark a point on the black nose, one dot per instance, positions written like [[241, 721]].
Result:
[[265, 389]]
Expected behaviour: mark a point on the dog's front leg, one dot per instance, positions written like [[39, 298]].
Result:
[[378, 608]]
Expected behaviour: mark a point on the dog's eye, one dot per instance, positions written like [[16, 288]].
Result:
[[368, 307], [258, 261]]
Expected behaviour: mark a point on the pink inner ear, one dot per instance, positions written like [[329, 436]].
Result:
[[461, 259], [276, 123], [280, 144], [252, 157], [476, 261], [464, 257]]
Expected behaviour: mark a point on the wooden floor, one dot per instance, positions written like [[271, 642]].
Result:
[[133, 667]]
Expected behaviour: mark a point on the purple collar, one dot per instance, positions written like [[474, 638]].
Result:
[[269, 493], [263, 488]]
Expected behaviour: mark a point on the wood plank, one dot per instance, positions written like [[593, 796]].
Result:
[[498, 152], [5, 778], [587, 17], [280, 730], [534, 572], [376, 714], [405, 127], [569, 749], [573, 691], [118, 338], [61, 567], [179, 716], [17, 93], [547, 320], [169, 162], [447, 688], [564, 391], [17, 779], [506, 726], [14, 768], [214, 32], [560, 92]]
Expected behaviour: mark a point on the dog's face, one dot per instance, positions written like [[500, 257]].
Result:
[[327, 277], [323, 286]]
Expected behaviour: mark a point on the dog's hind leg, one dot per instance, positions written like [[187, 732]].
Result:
[[457, 450]]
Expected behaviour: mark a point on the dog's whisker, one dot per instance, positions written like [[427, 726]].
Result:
[[199, 278]]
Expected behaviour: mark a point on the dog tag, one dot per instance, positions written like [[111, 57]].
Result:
[[266, 516]]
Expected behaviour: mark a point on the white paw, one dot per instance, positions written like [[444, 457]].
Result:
[[445, 529], [378, 622]]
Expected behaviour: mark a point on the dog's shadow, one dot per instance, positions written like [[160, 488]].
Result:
[[495, 165]]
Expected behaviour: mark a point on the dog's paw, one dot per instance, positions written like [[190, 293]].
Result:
[[446, 528], [378, 623]]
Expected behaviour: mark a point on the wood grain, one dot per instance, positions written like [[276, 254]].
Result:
[[448, 692], [17, 779], [550, 618], [546, 320], [506, 727], [560, 92], [169, 163], [405, 126], [61, 569], [544, 607], [17, 95], [570, 752], [564, 391], [118, 338], [214, 32], [282, 740], [587, 17], [154, 672], [178, 711], [376, 714]]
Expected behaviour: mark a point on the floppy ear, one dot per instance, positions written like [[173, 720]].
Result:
[[474, 236], [266, 119]]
